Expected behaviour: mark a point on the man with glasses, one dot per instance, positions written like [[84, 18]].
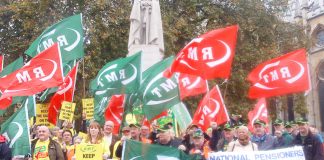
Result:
[[109, 138]]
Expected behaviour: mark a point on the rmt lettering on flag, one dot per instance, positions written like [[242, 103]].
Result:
[[282, 75], [25, 75], [41, 72]]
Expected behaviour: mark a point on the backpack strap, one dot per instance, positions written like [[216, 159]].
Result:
[[233, 146]]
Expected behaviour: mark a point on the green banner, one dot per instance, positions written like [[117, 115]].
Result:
[[158, 93], [68, 33]]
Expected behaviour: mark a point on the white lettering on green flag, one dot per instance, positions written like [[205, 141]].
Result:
[[118, 77], [157, 92], [68, 33]]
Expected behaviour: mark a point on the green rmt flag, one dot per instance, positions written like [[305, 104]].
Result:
[[134, 150], [30, 104], [16, 130], [13, 66], [118, 77], [68, 33], [156, 92], [100, 104]]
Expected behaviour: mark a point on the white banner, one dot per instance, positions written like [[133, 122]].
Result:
[[292, 153]]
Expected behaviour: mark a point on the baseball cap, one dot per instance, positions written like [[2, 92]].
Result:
[[134, 125], [163, 129], [228, 127], [258, 121], [288, 125], [301, 120], [278, 122], [198, 133], [126, 128]]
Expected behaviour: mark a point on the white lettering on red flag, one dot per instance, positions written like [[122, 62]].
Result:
[[208, 56], [41, 72], [282, 75]]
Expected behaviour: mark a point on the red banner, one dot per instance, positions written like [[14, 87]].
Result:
[[209, 56], [115, 110], [211, 109], [259, 112], [190, 85], [65, 93], [41, 72], [283, 75]]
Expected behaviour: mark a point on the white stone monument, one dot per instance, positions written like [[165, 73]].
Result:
[[146, 32]]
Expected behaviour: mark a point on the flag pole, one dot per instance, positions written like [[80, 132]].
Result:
[[83, 79], [225, 92]]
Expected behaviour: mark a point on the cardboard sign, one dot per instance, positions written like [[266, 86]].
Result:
[[88, 151], [88, 107], [42, 115], [67, 111]]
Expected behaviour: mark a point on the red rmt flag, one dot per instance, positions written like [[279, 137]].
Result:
[[147, 122], [211, 109], [209, 56], [41, 72], [259, 112], [282, 75], [190, 85], [65, 93], [115, 110]]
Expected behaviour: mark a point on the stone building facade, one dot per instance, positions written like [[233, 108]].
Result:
[[310, 14]]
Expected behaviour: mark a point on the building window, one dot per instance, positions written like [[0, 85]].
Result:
[[320, 38]]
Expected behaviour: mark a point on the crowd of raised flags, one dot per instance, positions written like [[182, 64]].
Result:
[[121, 87]]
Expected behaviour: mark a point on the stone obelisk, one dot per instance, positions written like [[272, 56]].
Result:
[[146, 32]]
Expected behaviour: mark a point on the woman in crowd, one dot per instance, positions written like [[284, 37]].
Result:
[[243, 142], [95, 136]]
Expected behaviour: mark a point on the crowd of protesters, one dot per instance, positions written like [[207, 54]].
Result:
[[59, 143]]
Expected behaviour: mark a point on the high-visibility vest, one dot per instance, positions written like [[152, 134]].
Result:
[[114, 157]]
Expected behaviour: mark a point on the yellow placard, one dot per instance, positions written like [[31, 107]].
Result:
[[67, 111], [88, 151], [82, 135], [88, 107], [130, 119], [42, 115]]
